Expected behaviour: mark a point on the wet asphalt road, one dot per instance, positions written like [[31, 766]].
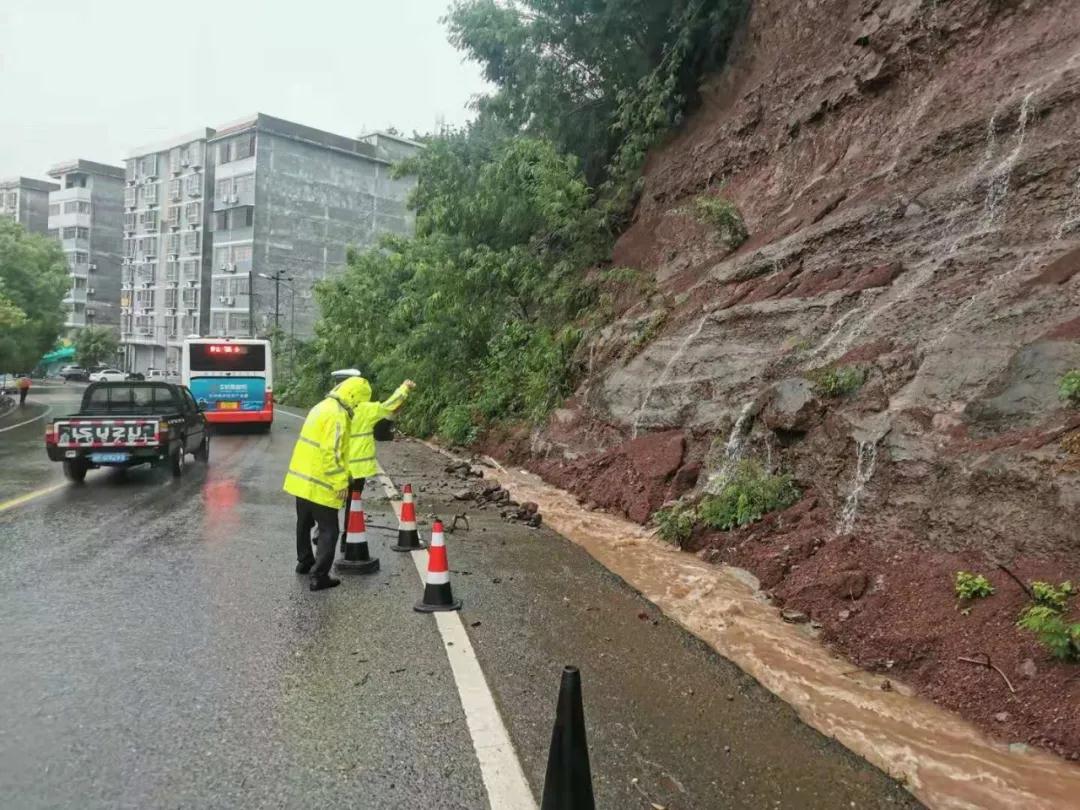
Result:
[[156, 650]]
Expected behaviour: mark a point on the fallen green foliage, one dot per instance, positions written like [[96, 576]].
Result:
[[749, 495], [1060, 637], [839, 381], [1046, 620], [675, 523], [972, 586], [1069, 388], [723, 216]]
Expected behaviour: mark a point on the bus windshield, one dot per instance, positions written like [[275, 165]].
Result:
[[227, 357]]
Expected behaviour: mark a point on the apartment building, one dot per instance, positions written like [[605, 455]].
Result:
[[288, 202], [167, 249], [85, 215], [26, 201], [228, 231]]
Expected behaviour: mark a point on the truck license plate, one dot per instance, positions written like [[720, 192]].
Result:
[[71, 453], [228, 406], [108, 458]]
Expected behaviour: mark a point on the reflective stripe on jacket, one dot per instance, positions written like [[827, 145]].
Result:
[[318, 470], [362, 434]]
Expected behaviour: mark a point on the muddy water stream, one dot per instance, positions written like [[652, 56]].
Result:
[[943, 760]]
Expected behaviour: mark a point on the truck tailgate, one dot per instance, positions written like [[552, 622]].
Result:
[[91, 432]]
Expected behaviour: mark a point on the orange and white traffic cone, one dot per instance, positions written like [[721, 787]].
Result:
[[408, 539], [437, 593], [356, 560]]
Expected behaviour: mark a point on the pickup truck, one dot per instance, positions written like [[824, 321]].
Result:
[[123, 424]]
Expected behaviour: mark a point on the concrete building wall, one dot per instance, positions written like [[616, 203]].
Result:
[[168, 245], [26, 201], [85, 216], [315, 195]]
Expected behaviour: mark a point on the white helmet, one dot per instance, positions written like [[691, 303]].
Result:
[[345, 373]]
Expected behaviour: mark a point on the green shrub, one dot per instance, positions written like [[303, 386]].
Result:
[[1046, 595], [839, 381], [722, 215], [675, 523], [972, 586], [1060, 637], [1069, 387], [747, 497], [456, 425]]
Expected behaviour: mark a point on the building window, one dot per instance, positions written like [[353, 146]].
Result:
[[193, 213], [148, 166], [217, 323], [172, 243], [130, 196], [175, 189], [193, 185], [149, 220], [191, 269], [194, 153], [190, 297], [174, 216], [81, 257], [54, 209], [170, 299], [172, 272], [242, 258], [129, 246], [239, 324], [149, 245], [175, 160], [150, 194], [129, 221], [236, 148], [144, 298], [224, 189], [13, 199], [245, 185], [192, 242]]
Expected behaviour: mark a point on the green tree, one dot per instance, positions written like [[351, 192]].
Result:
[[95, 345], [33, 280]]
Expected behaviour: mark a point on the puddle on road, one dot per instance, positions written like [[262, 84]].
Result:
[[944, 761]]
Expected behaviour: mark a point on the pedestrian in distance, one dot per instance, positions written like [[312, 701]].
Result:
[[318, 477], [24, 390], [366, 415]]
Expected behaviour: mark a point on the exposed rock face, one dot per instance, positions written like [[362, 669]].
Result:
[[909, 174]]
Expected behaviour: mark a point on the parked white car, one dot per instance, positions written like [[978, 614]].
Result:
[[108, 375]]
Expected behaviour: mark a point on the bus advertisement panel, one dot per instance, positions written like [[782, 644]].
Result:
[[230, 378]]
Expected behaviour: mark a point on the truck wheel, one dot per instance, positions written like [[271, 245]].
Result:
[[203, 451], [75, 470], [176, 461]]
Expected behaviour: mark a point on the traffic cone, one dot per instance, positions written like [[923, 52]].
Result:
[[568, 783], [356, 560], [437, 593], [407, 537]]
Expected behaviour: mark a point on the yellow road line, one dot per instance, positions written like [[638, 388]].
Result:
[[30, 496]]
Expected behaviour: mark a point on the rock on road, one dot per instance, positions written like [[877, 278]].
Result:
[[159, 651]]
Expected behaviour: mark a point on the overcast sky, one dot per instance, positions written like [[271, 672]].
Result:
[[97, 78]]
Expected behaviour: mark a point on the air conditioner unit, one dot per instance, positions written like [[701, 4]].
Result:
[[185, 162], [230, 268], [170, 310], [230, 301], [221, 299], [90, 291]]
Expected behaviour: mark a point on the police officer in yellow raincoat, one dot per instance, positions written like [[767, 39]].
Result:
[[366, 415], [318, 477]]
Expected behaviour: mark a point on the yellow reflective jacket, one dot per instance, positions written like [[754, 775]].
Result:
[[318, 470], [362, 433]]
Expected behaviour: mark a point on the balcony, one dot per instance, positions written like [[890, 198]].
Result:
[[75, 297], [79, 270], [68, 194], [69, 221]]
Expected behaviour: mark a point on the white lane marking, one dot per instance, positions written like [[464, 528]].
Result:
[[293, 415], [500, 769], [504, 779], [42, 415]]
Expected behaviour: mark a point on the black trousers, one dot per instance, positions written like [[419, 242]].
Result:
[[22, 395], [355, 485], [308, 515]]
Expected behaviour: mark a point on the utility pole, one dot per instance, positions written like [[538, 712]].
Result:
[[277, 278]]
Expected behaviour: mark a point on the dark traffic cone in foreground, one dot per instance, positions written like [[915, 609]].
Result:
[[408, 539], [568, 783], [357, 560], [437, 593]]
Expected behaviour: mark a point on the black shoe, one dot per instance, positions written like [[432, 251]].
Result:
[[304, 567], [321, 583]]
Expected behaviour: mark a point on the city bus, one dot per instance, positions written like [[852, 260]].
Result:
[[231, 379]]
